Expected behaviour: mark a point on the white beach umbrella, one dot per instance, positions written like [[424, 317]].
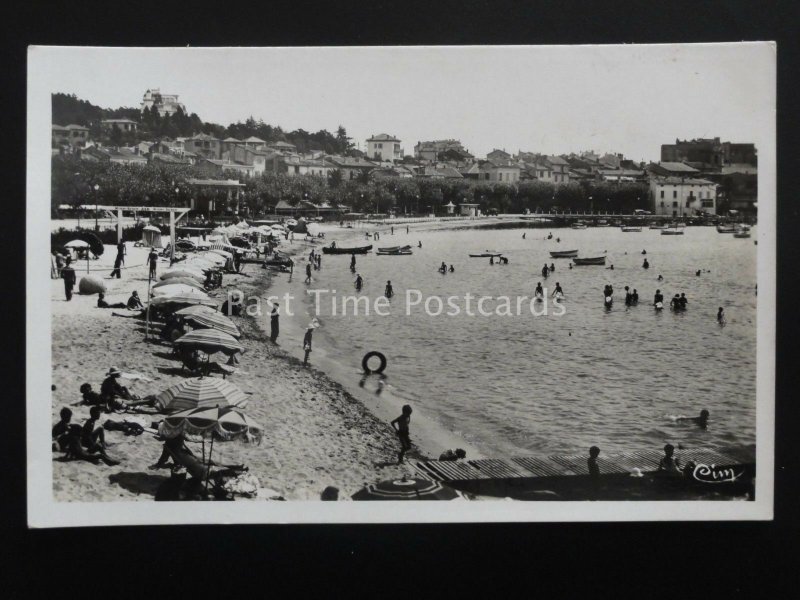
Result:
[[76, 244], [178, 289]]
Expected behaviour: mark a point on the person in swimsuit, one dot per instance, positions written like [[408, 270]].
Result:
[[359, 282], [628, 296], [558, 289], [635, 297], [452, 269], [545, 271], [645, 264], [539, 291], [401, 426], [670, 464], [389, 291], [659, 297], [701, 421], [721, 316]]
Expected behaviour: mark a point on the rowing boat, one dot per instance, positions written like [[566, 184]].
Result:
[[394, 248], [595, 260], [485, 255], [726, 229], [564, 254], [630, 229], [355, 250], [394, 253]]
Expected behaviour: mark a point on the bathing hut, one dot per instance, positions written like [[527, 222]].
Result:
[[151, 237]]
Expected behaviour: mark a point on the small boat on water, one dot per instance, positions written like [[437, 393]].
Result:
[[603, 223], [726, 228], [579, 225], [486, 255], [394, 253], [674, 230], [742, 231], [657, 226], [394, 248], [631, 228], [564, 254], [355, 250], [596, 260]]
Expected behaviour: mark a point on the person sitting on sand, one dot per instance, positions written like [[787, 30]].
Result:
[[669, 464], [61, 430], [75, 450], [101, 302], [701, 421], [93, 438], [453, 455], [111, 390], [401, 426], [134, 302]]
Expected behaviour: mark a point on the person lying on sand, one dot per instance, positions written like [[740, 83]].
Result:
[[101, 303], [90, 397]]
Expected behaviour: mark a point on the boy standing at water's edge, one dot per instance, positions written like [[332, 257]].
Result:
[[401, 426]]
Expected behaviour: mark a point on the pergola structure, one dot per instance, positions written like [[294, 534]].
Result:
[[115, 212]]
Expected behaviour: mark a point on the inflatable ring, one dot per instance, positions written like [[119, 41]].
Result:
[[365, 361]]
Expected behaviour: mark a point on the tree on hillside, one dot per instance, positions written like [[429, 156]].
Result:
[[344, 143]]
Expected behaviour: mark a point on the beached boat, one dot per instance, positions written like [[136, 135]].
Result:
[[658, 226], [579, 225], [353, 250], [630, 228], [596, 260], [394, 248], [726, 229], [564, 254], [603, 223], [742, 231]]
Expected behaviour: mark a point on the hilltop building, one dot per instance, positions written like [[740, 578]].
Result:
[[166, 104]]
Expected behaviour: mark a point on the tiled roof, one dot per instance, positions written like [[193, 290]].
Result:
[[351, 161], [683, 180], [677, 167], [119, 121], [556, 160], [255, 140], [204, 137]]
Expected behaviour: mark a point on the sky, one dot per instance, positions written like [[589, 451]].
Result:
[[551, 99]]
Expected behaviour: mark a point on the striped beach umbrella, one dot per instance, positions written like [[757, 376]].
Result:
[[184, 272], [201, 392], [194, 310], [178, 289], [406, 489], [213, 320], [210, 341], [182, 280], [179, 299], [229, 422]]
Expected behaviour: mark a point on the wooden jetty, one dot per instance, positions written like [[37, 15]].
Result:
[[728, 471]]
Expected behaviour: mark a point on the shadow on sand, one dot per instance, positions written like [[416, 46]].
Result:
[[138, 483]]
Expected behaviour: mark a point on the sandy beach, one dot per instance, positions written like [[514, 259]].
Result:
[[316, 432]]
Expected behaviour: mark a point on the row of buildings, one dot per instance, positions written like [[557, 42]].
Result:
[[692, 177]]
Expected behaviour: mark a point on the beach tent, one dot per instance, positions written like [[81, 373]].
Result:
[[76, 244], [151, 236], [179, 280]]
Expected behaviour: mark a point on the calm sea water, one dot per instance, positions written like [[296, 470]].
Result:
[[524, 384]]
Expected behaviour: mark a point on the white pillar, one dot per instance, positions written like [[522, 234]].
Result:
[[119, 225], [172, 237]]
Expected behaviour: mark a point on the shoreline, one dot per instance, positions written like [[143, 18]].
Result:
[[428, 436]]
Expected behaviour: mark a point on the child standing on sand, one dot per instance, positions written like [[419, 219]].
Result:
[[400, 425]]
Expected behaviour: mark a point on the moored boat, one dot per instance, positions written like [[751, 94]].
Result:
[[631, 228], [354, 250], [726, 228], [596, 260], [395, 253], [658, 226], [579, 225], [672, 231], [742, 231], [485, 255], [564, 254]]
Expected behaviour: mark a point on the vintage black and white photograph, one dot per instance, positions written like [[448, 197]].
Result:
[[513, 282]]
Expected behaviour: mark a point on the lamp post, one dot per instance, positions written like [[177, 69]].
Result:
[[96, 190]]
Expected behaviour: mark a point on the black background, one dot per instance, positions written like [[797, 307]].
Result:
[[538, 560]]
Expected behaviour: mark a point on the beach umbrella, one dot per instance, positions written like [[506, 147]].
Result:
[[182, 280], [183, 299], [213, 320], [185, 272], [151, 228], [76, 244], [213, 257], [223, 253], [196, 310], [201, 392], [406, 489], [210, 341], [178, 289]]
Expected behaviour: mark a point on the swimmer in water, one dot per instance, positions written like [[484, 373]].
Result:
[[523, 236], [452, 269], [697, 273], [611, 268], [683, 301], [628, 296], [701, 421], [389, 291], [635, 297], [669, 463], [558, 239], [359, 282], [645, 264], [675, 303], [644, 251], [352, 262], [660, 278], [570, 265], [552, 267], [659, 297], [545, 271], [721, 316], [558, 289], [419, 244], [443, 268], [539, 291]]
